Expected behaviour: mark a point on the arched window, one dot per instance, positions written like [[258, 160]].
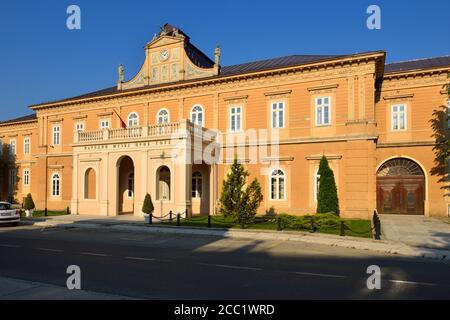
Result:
[[56, 188], [163, 187], [197, 115], [277, 185], [90, 184], [130, 185], [133, 120], [197, 182], [316, 185], [163, 116]]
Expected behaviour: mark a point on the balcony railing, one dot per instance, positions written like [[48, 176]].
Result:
[[165, 129]]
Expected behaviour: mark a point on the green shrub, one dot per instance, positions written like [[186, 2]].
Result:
[[236, 201], [327, 198], [29, 203], [327, 220], [148, 207]]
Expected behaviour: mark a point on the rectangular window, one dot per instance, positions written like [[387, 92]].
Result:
[[56, 135], [26, 177], [398, 118], [12, 177], [323, 111], [235, 119], [79, 127], [277, 115], [12, 146], [26, 146], [1, 146], [104, 124]]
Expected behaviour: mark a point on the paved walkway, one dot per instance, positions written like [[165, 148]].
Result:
[[13, 289], [417, 231]]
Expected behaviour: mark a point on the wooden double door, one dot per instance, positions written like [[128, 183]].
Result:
[[401, 194]]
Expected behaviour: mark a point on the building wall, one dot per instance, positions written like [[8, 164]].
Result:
[[358, 140]]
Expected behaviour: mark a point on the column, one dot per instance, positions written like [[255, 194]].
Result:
[[74, 201]]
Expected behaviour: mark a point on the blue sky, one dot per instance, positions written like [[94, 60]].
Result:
[[42, 60]]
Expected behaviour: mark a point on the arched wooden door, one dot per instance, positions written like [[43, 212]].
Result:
[[400, 187]]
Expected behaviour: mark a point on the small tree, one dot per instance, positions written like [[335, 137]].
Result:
[[327, 198], [236, 202], [441, 134], [8, 166], [29, 203], [148, 207]]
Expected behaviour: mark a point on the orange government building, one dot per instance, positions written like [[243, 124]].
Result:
[[101, 152]]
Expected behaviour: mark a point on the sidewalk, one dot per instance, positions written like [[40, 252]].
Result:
[[13, 289], [133, 224], [417, 231]]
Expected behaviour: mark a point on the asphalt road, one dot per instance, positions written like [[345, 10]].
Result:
[[162, 266]]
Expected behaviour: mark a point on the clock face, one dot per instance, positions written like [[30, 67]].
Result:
[[164, 55]]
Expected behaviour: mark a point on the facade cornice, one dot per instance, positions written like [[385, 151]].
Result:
[[21, 123], [211, 81], [425, 143]]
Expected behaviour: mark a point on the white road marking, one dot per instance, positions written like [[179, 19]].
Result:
[[320, 275], [147, 259], [51, 250], [9, 246], [413, 283], [230, 267], [94, 254]]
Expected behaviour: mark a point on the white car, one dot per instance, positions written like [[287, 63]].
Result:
[[8, 214]]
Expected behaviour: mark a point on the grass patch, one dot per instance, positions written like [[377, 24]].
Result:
[[325, 223], [41, 214]]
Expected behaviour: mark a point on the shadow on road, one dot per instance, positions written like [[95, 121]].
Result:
[[163, 266]]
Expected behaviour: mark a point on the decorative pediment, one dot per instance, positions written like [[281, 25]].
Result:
[[170, 57]]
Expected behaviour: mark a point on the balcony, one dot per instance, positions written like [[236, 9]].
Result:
[[181, 128]]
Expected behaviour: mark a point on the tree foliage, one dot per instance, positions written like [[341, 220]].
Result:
[[237, 202], [327, 197], [441, 134], [148, 207], [7, 167]]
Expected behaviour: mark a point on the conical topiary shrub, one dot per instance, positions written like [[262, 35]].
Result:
[[327, 198], [29, 205], [148, 207]]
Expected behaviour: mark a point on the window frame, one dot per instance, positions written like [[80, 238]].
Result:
[[197, 176], [277, 181], [158, 116], [241, 116], [13, 150], [26, 177], [130, 185], [56, 135], [53, 192], [135, 120], [316, 185], [12, 177], [322, 106], [26, 145], [103, 121], [398, 117], [272, 112], [202, 112], [82, 125]]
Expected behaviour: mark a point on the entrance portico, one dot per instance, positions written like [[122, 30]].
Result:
[[128, 163]]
